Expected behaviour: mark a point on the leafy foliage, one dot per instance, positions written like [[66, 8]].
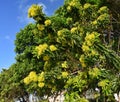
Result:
[[69, 52]]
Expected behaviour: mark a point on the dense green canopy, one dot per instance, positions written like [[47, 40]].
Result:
[[74, 52]]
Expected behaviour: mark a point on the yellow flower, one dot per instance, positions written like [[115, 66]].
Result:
[[34, 10], [26, 80], [93, 52], [83, 64], [64, 64], [41, 78], [86, 6], [47, 22], [49, 86], [59, 33], [64, 74], [54, 88], [33, 76], [74, 29], [85, 48], [103, 9], [103, 17], [53, 48], [41, 84], [40, 27], [94, 22], [82, 60], [46, 58], [41, 48], [69, 8], [42, 74], [82, 57], [72, 3], [103, 83], [89, 43], [90, 37], [94, 72]]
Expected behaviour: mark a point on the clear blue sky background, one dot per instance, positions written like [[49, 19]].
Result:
[[13, 17]]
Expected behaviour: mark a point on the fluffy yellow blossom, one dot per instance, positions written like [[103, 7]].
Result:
[[103, 9], [82, 57], [85, 48], [64, 74], [42, 74], [82, 60], [103, 17], [54, 88], [103, 83], [46, 58], [59, 33], [89, 43], [64, 64], [34, 10], [26, 80], [74, 29], [69, 20], [33, 76], [69, 8], [47, 22], [41, 78], [94, 22], [90, 37], [40, 27], [53, 48], [94, 52], [83, 64], [86, 6], [41, 84], [72, 3], [94, 72], [41, 48]]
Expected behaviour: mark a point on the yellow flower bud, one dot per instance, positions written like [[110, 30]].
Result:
[[41, 84], [47, 22], [53, 48]]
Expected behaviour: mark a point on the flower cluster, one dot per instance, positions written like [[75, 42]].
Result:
[[41, 80], [31, 77], [40, 27], [46, 58], [74, 30], [47, 22], [64, 64], [86, 5], [94, 72], [103, 9], [34, 10], [64, 74], [73, 3], [82, 60], [53, 48], [41, 48]]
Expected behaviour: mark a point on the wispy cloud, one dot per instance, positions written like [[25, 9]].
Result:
[[52, 0], [8, 38], [23, 8], [44, 7]]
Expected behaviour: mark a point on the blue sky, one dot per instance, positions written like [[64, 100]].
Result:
[[13, 17]]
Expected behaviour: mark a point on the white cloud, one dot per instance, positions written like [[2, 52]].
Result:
[[8, 38], [44, 7], [52, 0]]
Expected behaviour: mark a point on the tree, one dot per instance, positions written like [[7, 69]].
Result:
[[71, 52]]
